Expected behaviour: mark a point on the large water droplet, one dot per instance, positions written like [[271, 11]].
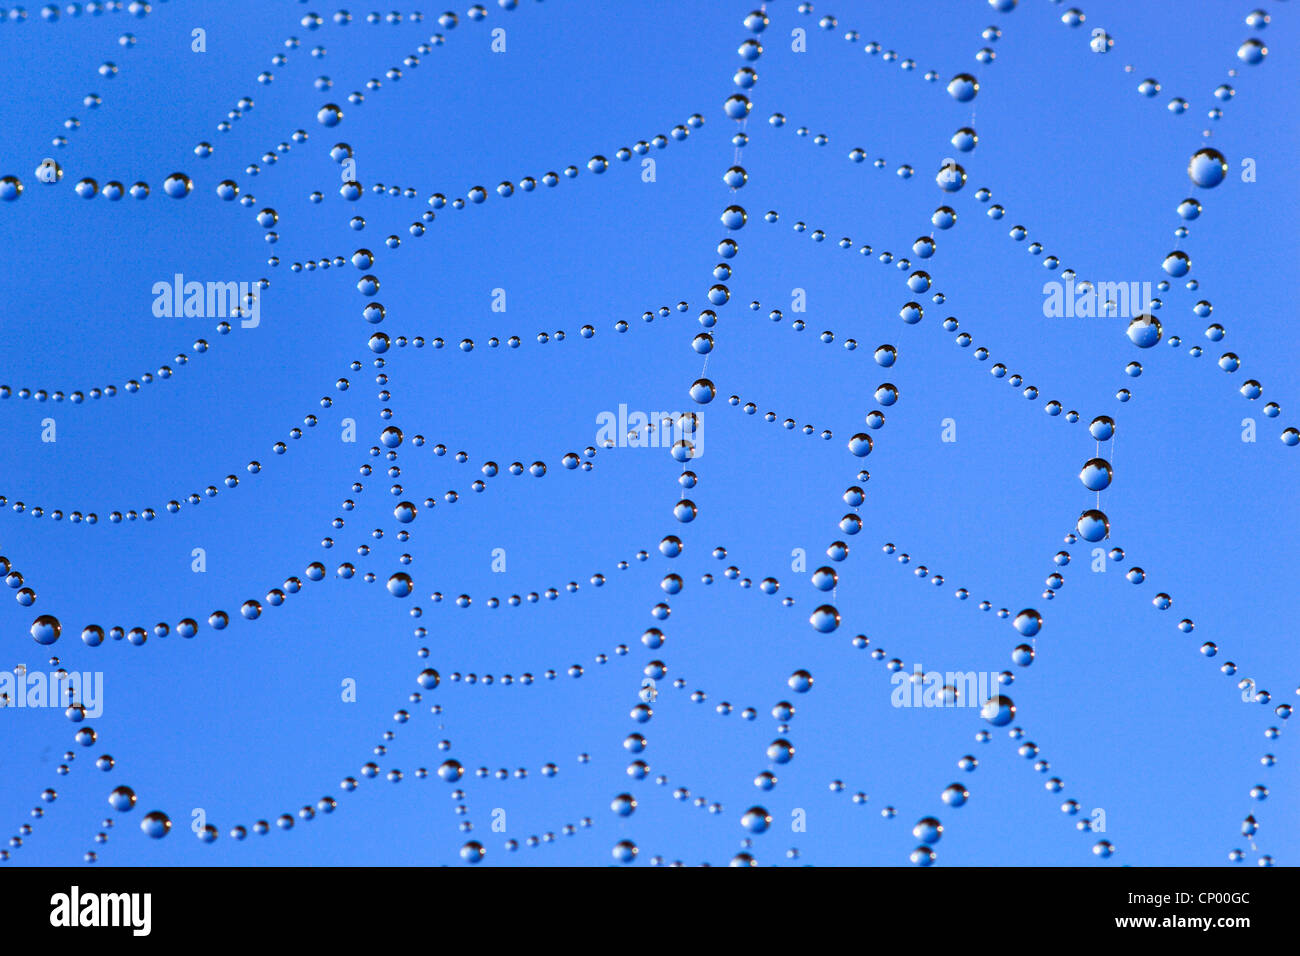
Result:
[[1028, 622], [998, 711], [177, 185], [1144, 330], [825, 619], [46, 629], [963, 87], [1093, 525], [1207, 168], [156, 825], [1095, 474]]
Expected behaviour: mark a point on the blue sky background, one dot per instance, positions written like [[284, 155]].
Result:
[[248, 723]]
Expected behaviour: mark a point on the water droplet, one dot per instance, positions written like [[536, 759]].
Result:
[[1207, 168], [1096, 474], [1252, 52], [756, 820], [1028, 622], [825, 619], [955, 795], [156, 825], [178, 185], [1177, 264], [965, 139], [1102, 428], [46, 629], [860, 445], [734, 217], [800, 682], [1093, 525], [998, 711], [963, 87], [703, 391], [1144, 330], [928, 830], [780, 751]]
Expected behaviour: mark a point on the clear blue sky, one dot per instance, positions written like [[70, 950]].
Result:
[[250, 722]]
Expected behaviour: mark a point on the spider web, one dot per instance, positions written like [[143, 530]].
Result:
[[785, 454]]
